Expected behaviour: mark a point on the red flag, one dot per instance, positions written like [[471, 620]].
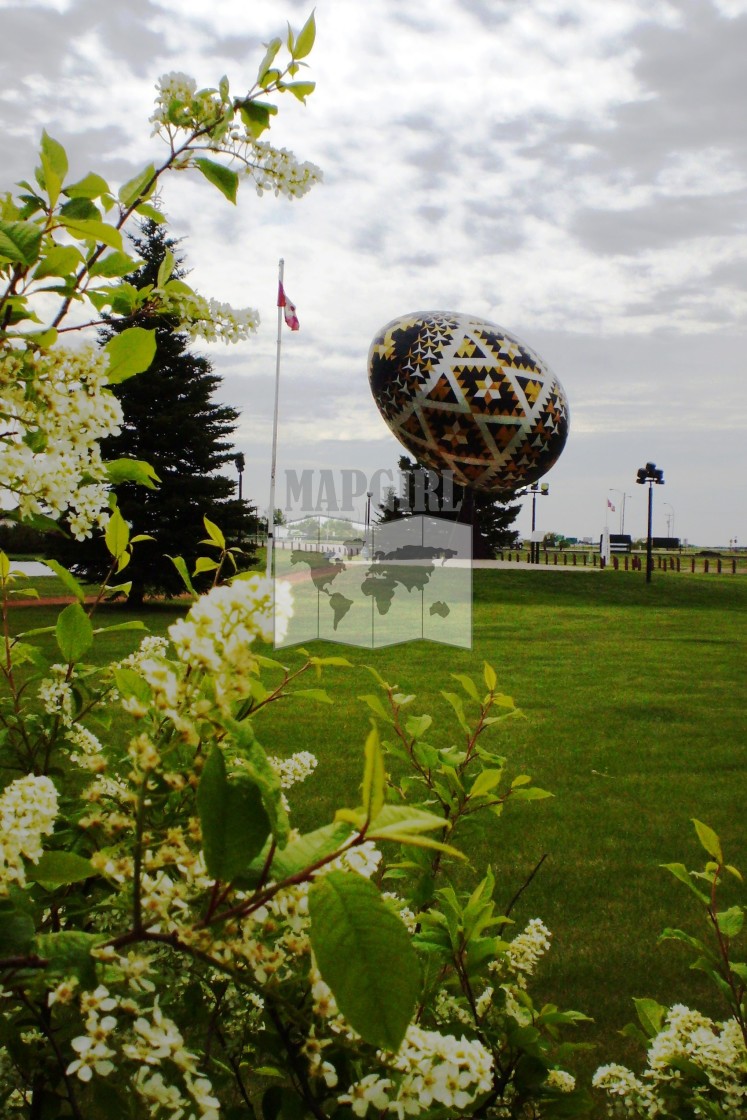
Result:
[[289, 309], [610, 505]]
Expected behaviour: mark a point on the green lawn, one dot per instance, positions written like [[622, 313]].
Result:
[[635, 721], [633, 696]]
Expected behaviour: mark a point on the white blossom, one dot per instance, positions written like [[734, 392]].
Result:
[[28, 808], [50, 461]]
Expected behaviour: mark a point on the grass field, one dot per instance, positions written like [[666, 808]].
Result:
[[635, 720]]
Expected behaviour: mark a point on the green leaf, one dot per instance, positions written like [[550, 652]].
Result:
[[730, 921], [44, 340], [458, 706], [393, 822], [132, 684], [256, 117], [130, 352], [709, 840], [376, 706], [651, 1015], [131, 470], [57, 868], [365, 955], [532, 793], [416, 726], [20, 242], [74, 632], [141, 186], [305, 39], [117, 534], [374, 776], [269, 77], [16, 930], [257, 766], [317, 694], [467, 684], [80, 209], [309, 849], [205, 564], [54, 166], [68, 579], [489, 675], [680, 872], [226, 180], [90, 186], [300, 90], [147, 211], [132, 624], [214, 533], [113, 264], [60, 260], [55, 155], [183, 570], [165, 269], [99, 232], [233, 819], [485, 781], [272, 49]]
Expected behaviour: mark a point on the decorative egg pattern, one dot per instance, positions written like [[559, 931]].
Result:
[[463, 394]]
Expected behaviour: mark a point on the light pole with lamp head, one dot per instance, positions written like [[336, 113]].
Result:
[[369, 495], [240, 462], [649, 474], [670, 519], [543, 490], [622, 507]]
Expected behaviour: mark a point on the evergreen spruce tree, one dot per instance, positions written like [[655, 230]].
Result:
[[491, 515], [172, 422]]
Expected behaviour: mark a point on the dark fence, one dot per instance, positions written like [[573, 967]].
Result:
[[635, 563]]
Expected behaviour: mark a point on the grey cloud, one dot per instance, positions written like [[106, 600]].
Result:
[[697, 84], [487, 12], [419, 260], [371, 238], [41, 37], [432, 214], [124, 31], [492, 227], [660, 224]]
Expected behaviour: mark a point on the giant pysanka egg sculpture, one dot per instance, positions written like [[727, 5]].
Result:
[[464, 395]]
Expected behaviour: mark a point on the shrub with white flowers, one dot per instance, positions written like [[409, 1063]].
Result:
[[695, 1066], [171, 946]]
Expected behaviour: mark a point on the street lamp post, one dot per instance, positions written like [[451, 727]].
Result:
[[622, 507], [543, 490], [240, 465], [369, 495], [670, 519], [650, 474]]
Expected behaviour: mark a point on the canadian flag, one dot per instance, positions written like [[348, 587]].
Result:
[[289, 309]]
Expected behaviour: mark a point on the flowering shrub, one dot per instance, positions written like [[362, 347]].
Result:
[[695, 1067]]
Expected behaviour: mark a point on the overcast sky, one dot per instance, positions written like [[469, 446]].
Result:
[[573, 170]]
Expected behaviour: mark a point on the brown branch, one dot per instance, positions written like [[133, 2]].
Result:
[[524, 885]]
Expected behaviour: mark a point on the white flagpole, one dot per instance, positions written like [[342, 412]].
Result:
[[271, 512]]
